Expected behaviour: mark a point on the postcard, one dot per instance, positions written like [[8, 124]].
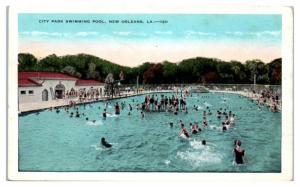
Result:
[[111, 94]]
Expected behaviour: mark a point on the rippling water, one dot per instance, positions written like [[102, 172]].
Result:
[[55, 142]]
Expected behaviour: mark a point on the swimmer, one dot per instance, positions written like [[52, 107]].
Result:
[[239, 152], [232, 118], [105, 143], [184, 131], [204, 122], [227, 122], [86, 119], [218, 114], [117, 109], [129, 113], [224, 128], [203, 142], [209, 113], [181, 123], [104, 114], [130, 107], [142, 114], [171, 124], [195, 129]]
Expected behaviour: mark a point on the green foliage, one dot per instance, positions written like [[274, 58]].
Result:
[[27, 62], [194, 70]]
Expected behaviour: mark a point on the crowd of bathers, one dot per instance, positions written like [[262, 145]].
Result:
[[268, 97], [174, 104]]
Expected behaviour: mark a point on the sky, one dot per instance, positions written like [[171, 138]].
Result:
[[139, 38]]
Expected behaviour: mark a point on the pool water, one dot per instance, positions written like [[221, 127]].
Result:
[[55, 142]]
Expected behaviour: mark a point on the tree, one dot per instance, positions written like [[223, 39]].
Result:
[[170, 72], [259, 69], [70, 70], [154, 74], [275, 71], [27, 62], [193, 70], [50, 63]]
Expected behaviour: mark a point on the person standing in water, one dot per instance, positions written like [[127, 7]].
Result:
[[142, 114], [184, 131], [238, 152], [104, 114], [117, 109]]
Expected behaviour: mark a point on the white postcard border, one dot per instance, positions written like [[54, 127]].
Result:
[[287, 96]]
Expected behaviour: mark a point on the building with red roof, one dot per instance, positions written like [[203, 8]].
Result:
[[46, 86]]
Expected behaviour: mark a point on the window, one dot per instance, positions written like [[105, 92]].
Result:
[[23, 92], [30, 91]]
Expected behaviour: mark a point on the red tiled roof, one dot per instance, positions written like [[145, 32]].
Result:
[[81, 82], [27, 82], [45, 75], [28, 79]]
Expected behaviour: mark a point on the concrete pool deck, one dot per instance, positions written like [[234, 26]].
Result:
[[30, 107], [254, 97]]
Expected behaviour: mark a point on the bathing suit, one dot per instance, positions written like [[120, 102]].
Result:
[[185, 133], [105, 144], [194, 131], [239, 156], [117, 108], [104, 114]]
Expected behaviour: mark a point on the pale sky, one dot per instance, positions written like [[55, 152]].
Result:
[[227, 37]]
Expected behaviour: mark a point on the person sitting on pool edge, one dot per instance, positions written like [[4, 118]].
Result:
[[239, 152], [105, 143]]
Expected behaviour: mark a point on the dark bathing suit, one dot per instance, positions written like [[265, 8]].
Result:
[[117, 108], [239, 156], [105, 144]]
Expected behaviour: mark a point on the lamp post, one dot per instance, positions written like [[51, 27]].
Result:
[[137, 84], [254, 81]]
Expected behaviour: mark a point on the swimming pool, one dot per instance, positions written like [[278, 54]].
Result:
[[50, 141]]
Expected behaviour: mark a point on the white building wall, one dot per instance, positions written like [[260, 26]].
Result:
[[27, 97], [36, 92]]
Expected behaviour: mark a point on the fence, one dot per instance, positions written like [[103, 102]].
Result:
[[221, 87]]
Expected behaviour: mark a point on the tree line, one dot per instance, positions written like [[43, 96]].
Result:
[[193, 70]]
